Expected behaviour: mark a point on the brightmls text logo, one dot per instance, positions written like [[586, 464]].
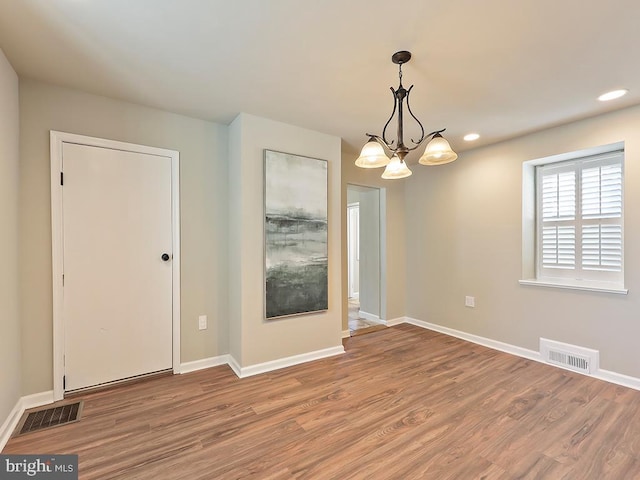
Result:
[[50, 467]]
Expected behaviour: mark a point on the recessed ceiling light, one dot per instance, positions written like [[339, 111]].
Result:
[[470, 137], [605, 97]]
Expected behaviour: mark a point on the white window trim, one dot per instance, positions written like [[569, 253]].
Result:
[[585, 285], [529, 228]]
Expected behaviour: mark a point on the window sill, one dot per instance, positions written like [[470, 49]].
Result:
[[586, 286]]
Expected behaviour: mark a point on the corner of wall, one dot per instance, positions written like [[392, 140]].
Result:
[[10, 325], [234, 259], [255, 340]]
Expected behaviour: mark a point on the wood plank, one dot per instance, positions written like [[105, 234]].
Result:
[[401, 403]]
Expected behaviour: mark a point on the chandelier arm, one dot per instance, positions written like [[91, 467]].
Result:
[[380, 140], [434, 133], [384, 130], [428, 136], [416, 119]]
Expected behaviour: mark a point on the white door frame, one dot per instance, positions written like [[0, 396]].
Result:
[[57, 246]]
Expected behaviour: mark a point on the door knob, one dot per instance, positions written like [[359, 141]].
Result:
[[165, 257]]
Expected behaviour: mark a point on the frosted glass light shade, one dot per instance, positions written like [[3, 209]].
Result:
[[438, 152], [372, 156], [396, 169]]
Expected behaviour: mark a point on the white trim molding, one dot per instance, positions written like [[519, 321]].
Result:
[[395, 321], [196, 365], [486, 342], [600, 374], [23, 404], [371, 317], [265, 367], [585, 286], [235, 366], [10, 423], [618, 379], [37, 399], [346, 333], [57, 139]]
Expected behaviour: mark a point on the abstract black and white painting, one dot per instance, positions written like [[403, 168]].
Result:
[[295, 231]]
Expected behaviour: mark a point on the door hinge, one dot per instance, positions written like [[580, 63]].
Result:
[[63, 279], [61, 178]]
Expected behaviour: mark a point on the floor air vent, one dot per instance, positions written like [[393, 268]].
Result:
[[572, 357], [50, 417]]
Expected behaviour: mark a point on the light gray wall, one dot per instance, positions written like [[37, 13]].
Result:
[[254, 339], [203, 208], [368, 199], [392, 244], [353, 264], [464, 237], [353, 196], [370, 250], [10, 373]]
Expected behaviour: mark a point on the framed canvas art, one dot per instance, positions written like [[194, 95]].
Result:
[[295, 233]]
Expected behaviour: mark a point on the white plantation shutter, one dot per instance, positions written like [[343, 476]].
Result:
[[580, 219], [602, 247], [602, 191], [558, 212], [559, 196], [559, 246]]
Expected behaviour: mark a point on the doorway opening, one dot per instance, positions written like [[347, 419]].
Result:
[[363, 257]]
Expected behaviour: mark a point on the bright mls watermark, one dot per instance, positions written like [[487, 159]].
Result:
[[50, 467]]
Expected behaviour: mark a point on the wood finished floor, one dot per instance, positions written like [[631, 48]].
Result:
[[402, 403]]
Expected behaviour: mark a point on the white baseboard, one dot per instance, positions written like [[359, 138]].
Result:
[[346, 334], [10, 423], [37, 399], [242, 372], [258, 368], [370, 316], [606, 375], [395, 321], [618, 378], [23, 403], [486, 342], [196, 365], [235, 366]]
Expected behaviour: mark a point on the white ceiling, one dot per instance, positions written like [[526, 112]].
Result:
[[498, 67]]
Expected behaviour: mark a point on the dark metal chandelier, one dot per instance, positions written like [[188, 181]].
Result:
[[438, 151]]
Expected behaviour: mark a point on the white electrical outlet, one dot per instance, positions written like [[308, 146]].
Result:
[[202, 322], [469, 301]]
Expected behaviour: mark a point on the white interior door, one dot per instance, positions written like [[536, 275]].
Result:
[[117, 293]]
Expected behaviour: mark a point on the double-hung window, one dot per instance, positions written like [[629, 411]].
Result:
[[579, 220]]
